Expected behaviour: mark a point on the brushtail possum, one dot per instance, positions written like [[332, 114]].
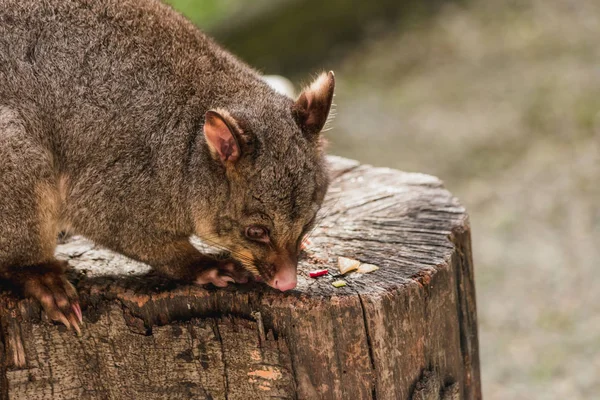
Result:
[[122, 122]]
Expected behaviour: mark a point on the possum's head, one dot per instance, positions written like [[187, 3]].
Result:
[[271, 154]]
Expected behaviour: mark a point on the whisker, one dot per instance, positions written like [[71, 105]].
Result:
[[326, 214], [223, 247]]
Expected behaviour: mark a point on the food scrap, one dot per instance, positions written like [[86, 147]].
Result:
[[366, 268], [347, 264], [317, 273], [338, 284]]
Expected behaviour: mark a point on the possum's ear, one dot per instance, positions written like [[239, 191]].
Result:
[[221, 137], [313, 105]]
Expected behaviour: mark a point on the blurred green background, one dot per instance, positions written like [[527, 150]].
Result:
[[500, 99]]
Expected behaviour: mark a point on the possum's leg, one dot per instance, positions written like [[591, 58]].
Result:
[[179, 260], [202, 269], [29, 219]]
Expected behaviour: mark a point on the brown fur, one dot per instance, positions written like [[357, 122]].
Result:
[[48, 202], [102, 106]]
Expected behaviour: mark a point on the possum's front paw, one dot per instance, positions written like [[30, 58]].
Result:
[[223, 273], [48, 284]]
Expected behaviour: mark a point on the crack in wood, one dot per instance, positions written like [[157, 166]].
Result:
[[224, 360], [370, 346], [291, 350], [466, 314]]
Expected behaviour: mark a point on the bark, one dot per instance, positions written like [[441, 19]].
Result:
[[406, 331]]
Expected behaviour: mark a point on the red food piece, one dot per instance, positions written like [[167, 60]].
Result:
[[317, 273]]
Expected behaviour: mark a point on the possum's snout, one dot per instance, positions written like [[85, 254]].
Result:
[[284, 281], [285, 277]]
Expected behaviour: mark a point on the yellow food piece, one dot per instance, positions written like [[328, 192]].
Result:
[[347, 264], [366, 268], [338, 284]]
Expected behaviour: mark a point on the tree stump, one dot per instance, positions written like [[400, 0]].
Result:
[[405, 331]]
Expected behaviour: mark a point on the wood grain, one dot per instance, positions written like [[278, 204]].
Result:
[[408, 330]]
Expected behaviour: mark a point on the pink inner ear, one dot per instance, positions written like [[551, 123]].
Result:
[[310, 120], [220, 138], [314, 115]]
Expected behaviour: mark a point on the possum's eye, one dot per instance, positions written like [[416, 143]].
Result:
[[257, 233]]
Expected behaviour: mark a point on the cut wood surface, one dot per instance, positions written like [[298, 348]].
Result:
[[405, 331]]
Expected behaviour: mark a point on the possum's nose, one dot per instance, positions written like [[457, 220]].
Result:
[[284, 279]]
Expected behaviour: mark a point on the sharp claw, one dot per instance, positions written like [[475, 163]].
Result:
[[77, 309], [75, 325], [61, 318], [228, 279], [77, 330]]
